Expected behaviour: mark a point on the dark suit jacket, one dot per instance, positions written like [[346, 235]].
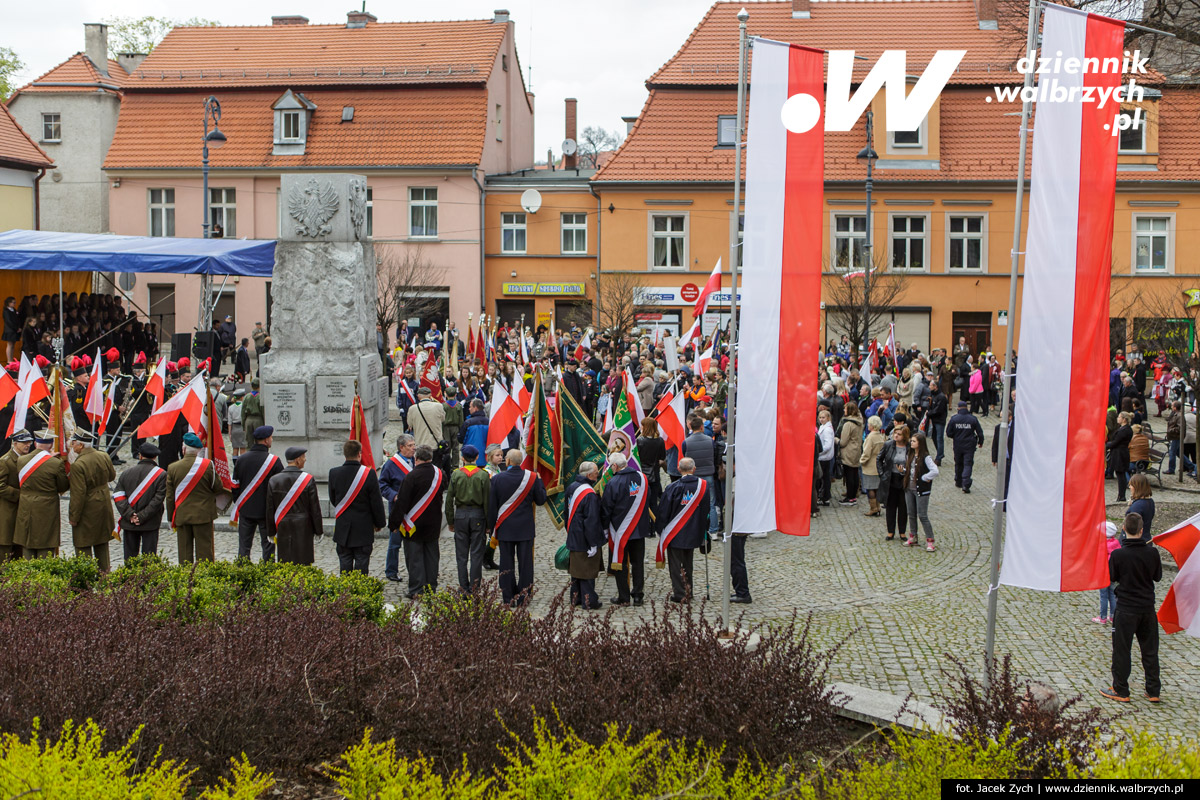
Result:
[[414, 487], [357, 525], [244, 470], [586, 529], [519, 526], [673, 500], [618, 500], [302, 524]]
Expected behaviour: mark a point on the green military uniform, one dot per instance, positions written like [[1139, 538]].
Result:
[[193, 519], [10, 496], [253, 414], [91, 509], [470, 487], [450, 426], [39, 523]]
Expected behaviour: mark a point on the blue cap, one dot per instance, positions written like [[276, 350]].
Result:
[[263, 432], [470, 452], [192, 440]]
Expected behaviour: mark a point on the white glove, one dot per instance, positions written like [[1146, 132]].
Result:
[[591, 552]]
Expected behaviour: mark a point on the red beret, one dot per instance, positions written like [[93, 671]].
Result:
[[140, 358], [112, 355]]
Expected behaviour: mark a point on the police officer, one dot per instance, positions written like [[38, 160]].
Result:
[[251, 472], [967, 434], [626, 510], [681, 523], [585, 536], [513, 495]]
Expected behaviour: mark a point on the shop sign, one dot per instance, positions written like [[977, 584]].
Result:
[[672, 296], [689, 292], [545, 289]]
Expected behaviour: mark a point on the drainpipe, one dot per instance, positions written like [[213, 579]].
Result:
[[37, 199], [599, 218], [482, 198]]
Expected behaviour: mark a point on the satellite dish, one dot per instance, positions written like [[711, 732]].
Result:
[[531, 200], [126, 280], [569, 147]]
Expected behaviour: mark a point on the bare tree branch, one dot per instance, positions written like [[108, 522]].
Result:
[[594, 141], [404, 277], [849, 301], [618, 295]]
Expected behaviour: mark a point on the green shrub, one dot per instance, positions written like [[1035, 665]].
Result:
[[1146, 756], [450, 609], [47, 579], [373, 771], [247, 783]]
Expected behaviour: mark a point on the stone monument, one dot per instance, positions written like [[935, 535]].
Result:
[[323, 322]]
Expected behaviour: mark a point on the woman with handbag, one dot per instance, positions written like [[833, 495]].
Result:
[[871, 448], [828, 451], [918, 483], [850, 443], [892, 464]]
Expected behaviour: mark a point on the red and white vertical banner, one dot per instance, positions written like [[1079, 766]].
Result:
[[781, 294], [1055, 528]]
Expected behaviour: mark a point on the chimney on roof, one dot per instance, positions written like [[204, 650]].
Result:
[[290, 19], [985, 10], [130, 61], [95, 45], [569, 161], [629, 123], [359, 19], [801, 9], [501, 15]]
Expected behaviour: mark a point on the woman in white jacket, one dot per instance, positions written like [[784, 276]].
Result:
[[918, 482], [827, 439]]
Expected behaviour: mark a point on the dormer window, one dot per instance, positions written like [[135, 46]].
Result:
[[293, 116], [907, 138]]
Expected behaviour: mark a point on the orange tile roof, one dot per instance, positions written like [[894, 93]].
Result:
[[413, 127], [322, 55], [920, 27], [16, 147], [674, 141], [79, 70]]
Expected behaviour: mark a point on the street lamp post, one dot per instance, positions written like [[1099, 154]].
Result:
[[213, 138], [868, 155]]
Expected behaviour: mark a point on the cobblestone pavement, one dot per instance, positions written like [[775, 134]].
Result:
[[899, 610]]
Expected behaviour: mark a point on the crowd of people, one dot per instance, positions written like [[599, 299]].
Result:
[[89, 321]]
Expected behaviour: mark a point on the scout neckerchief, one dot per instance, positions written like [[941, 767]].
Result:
[[359, 480], [410, 518], [255, 482], [620, 535], [681, 519], [39, 458], [290, 498], [517, 498], [190, 481]]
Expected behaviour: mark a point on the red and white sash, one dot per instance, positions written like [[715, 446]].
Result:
[[190, 481], [403, 465], [679, 520], [255, 482], [289, 499], [152, 476], [518, 497], [39, 458], [618, 536], [359, 481], [577, 498], [410, 517], [407, 391]]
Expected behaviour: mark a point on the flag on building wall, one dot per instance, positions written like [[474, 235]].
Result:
[[1055, 534], [781, 295]]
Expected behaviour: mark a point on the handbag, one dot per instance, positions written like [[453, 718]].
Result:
[[562, 557], [443, 447]]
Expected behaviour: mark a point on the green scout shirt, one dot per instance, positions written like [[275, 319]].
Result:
[[469, 486]]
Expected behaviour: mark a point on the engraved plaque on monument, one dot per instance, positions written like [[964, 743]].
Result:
[[335, 401], [381, 408], [285, 403], [370, 370]]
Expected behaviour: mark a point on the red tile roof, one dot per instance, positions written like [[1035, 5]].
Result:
[[16, 148], [322, 55], [920, 27], [412, 127], [78, 70]]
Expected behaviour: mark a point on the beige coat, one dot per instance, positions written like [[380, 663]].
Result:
[[871, 447], [904, 390], [851, 441], [91, 509], [427, 429]]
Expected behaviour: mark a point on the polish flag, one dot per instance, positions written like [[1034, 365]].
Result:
[[1180, 610], [704, 360], [781, 296], [156, 385], [1055, 539], [31, 390], [93, 399], [584, 344], [503, 414], [671, 416], [890, 347], [713, 285], [520, 395], [691, 333], [632, 399], [189, 402]]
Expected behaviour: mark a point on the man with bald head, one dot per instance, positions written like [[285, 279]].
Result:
[[510, 517]]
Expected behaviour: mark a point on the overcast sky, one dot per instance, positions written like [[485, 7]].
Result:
[[600, 53]]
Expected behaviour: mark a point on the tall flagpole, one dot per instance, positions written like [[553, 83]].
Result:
[[734, 252], [998, 509]]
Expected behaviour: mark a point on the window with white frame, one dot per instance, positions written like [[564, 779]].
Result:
[[668, 248], [422, 213], [162, 212], [51, 127], [290, 126], [726, 130], [906, 138], [512, 233], [1133, 140], [966, 246], [370, 212], [574, 234], [849, 240], [1152, 243], [909, 248], [223, 208]]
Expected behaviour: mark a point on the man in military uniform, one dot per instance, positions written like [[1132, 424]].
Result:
[[251, 472], [466, 514], [42, 476], [192, 488], [140, 497], [681, 524], [357, 509], [113, 366], [91, 509], [417, 514], [626, 510], [514, 493], [253, 414], [140, 404], [585, 536], [294, 510], [10, 493]]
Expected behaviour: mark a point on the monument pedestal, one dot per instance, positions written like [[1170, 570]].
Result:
[[323, 323]]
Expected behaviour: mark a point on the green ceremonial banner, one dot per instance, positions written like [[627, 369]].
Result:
[[546, 436], [580, 442]]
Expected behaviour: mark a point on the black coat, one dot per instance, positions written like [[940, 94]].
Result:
[[149, 507], [586, 528], [519, 525], [357, 525], [241, 361], [996, 454], [619, 495], [674, 498], [414, 487], [938, 406], [966, 432], [1118, 448], [577, 386], [244, 470], [295, 533]]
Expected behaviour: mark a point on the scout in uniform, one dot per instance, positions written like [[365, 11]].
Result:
[[42, 476], [192, 488], [466, 514], [91, 508], [294, 510]]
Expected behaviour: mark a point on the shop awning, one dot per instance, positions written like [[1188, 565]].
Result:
[[87, 252]]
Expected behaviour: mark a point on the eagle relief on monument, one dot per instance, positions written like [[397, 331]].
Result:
[[312, 207]]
